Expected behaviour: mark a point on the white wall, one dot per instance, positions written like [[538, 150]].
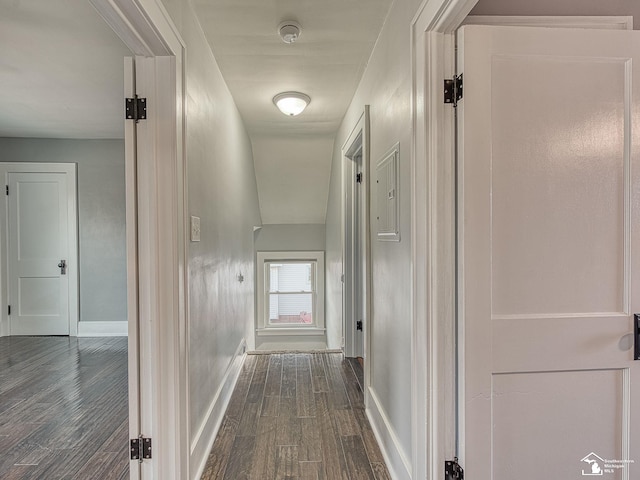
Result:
[[386, 87], [222, 192], [290, 238], [101, 216]]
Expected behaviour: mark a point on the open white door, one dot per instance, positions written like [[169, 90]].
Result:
[[549, 274]]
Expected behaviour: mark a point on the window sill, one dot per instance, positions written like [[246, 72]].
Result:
[[278, 331]]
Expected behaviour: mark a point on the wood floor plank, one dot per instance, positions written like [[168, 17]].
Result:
[[289, 431], [264, 456], [380, 471], [310, 442], [305, 401], [273, 382], [357, 460], [368, 438], [270, 406], [287, 465], [288, 375], [356, 366], [352, 385], [239, 395], [222, 449], [311, 471], [249, 419], [333, 460], [103, 465], [346, 422], [238, 468], [318, 374], [337, 396], [256, 389]]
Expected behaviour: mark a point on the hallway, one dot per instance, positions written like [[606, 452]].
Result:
[[296, 416]]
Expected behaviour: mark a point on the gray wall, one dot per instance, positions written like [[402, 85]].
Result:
[[222, 191], [301, 237], [101, 216], [563, 7]]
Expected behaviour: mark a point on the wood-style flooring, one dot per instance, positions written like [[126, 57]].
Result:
[[63, 408], [296, 416]]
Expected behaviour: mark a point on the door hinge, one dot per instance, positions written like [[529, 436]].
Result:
[[359, 325], [135, 108], [8, 309], [453, 470], [7, 189], [453, 90], [359, 178], [140, 448]]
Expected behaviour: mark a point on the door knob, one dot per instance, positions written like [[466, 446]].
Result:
[[63, 267]]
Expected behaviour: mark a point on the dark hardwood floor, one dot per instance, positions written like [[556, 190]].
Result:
[[296, 416], [63, 408]]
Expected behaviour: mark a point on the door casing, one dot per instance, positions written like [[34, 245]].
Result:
[[156, 212], [433, 236], [354, 235]]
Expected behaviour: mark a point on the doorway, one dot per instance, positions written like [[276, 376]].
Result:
[[63, 248], [355, 241]]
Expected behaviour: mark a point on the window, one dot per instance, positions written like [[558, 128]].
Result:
[[291, 292]]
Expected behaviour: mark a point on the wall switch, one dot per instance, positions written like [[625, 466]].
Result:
[[195, 229]]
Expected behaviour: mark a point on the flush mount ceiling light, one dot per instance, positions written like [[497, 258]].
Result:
[[291, 103], [289, 31]]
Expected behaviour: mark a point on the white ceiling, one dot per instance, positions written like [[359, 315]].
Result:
[[326, 63], [61, 71]]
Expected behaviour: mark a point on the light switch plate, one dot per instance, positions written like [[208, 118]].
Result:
[[195, 229]]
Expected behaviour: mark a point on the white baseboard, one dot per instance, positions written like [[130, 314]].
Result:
[[103, 329], [206, 434], [394, 456]]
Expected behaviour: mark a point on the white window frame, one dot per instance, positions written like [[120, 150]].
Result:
[[263, 325]]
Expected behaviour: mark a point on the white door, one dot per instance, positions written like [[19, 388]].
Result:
[[549, 253], [39, 254]]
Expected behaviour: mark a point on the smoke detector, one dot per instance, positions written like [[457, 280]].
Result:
[[289, 31]]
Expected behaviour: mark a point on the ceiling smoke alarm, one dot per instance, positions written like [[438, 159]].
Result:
[[289, 31]]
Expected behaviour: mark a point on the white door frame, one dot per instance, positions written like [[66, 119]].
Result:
[[361, 129], [156, 247], [433, 236], [72, 212]]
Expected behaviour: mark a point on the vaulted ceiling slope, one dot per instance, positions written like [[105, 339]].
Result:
[[326, 63], [61, 71]]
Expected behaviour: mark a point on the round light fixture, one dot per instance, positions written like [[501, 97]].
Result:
[[289, 31], [291, 103]]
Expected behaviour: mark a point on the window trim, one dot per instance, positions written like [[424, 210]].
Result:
[[262, 317]]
